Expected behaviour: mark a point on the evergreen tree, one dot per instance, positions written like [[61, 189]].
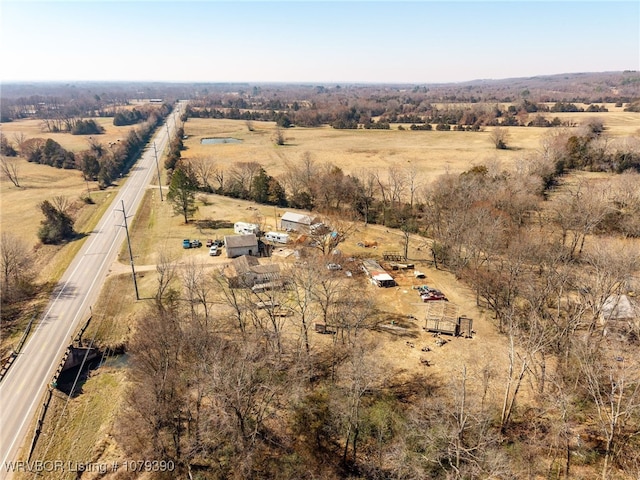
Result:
[[182, 193], [57, 225]]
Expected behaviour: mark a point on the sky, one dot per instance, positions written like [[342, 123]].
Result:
[[336, 41]]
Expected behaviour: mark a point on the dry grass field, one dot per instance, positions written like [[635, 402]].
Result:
[[430, 153], [75, 143]]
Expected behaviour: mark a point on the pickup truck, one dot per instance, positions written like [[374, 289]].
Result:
[[186, 243]]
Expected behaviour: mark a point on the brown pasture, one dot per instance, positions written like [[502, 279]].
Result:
[[430, 153], [32, 128]]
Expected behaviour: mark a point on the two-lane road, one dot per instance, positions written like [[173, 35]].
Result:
[[23, 387]]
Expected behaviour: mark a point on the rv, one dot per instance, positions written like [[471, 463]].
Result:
[[276, 237], [242, 228]]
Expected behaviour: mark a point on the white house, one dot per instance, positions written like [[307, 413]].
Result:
[[247, 272], [237, 245]]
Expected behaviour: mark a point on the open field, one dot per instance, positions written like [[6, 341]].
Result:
[[21, 216], [431, 153], [32, 128]]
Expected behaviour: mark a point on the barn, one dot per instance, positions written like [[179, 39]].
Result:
[[296, 222], [238, 245]]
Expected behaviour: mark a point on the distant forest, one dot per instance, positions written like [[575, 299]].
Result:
[[342, 106]]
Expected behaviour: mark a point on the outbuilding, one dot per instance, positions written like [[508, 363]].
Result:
[[296, 222], [377, 274], [237, 245]]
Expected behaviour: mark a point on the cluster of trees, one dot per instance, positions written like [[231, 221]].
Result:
[[130, 117], [57, 103], [86, 127], [546, 274], [48, 152], [229, 388], [17, 285], [358, 116]]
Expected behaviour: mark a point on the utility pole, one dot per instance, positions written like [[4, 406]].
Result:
[[155, 152], [133, 270]]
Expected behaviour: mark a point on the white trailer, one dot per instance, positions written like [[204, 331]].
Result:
[[277, 237], [242, 228]]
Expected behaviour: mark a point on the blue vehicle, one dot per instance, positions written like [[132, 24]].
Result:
[[186, 243]]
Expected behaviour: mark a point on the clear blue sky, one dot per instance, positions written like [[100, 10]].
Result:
[[314, 41]]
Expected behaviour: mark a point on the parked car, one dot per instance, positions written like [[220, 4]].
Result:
[[334, 266], [186, 243], [209, 242], [213, 250], [196, 243]]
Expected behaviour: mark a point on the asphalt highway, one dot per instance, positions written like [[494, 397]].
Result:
[[24, 385]]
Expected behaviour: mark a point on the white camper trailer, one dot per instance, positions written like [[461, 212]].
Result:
[[277, 237], [242, 228]]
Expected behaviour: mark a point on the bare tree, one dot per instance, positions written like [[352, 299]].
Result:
[[397, 182], [166, 270], [607, 273], [411, 175], [278, 136], [335, 232], [198, 286], [614, 387], [20, 138], [243, 173], [204, 169], [16, 264], [578, 210], [366, 193], [303, 279], [359, 374], [9, 169], [500, 137], [236, 298]]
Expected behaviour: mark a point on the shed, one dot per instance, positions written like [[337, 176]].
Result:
[[297, 222], [618, 307], [237, 245], [378, 275]]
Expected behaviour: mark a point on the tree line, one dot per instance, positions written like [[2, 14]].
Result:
[[101, 163]]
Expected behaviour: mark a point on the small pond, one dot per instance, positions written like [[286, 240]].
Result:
[[215, 140]]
